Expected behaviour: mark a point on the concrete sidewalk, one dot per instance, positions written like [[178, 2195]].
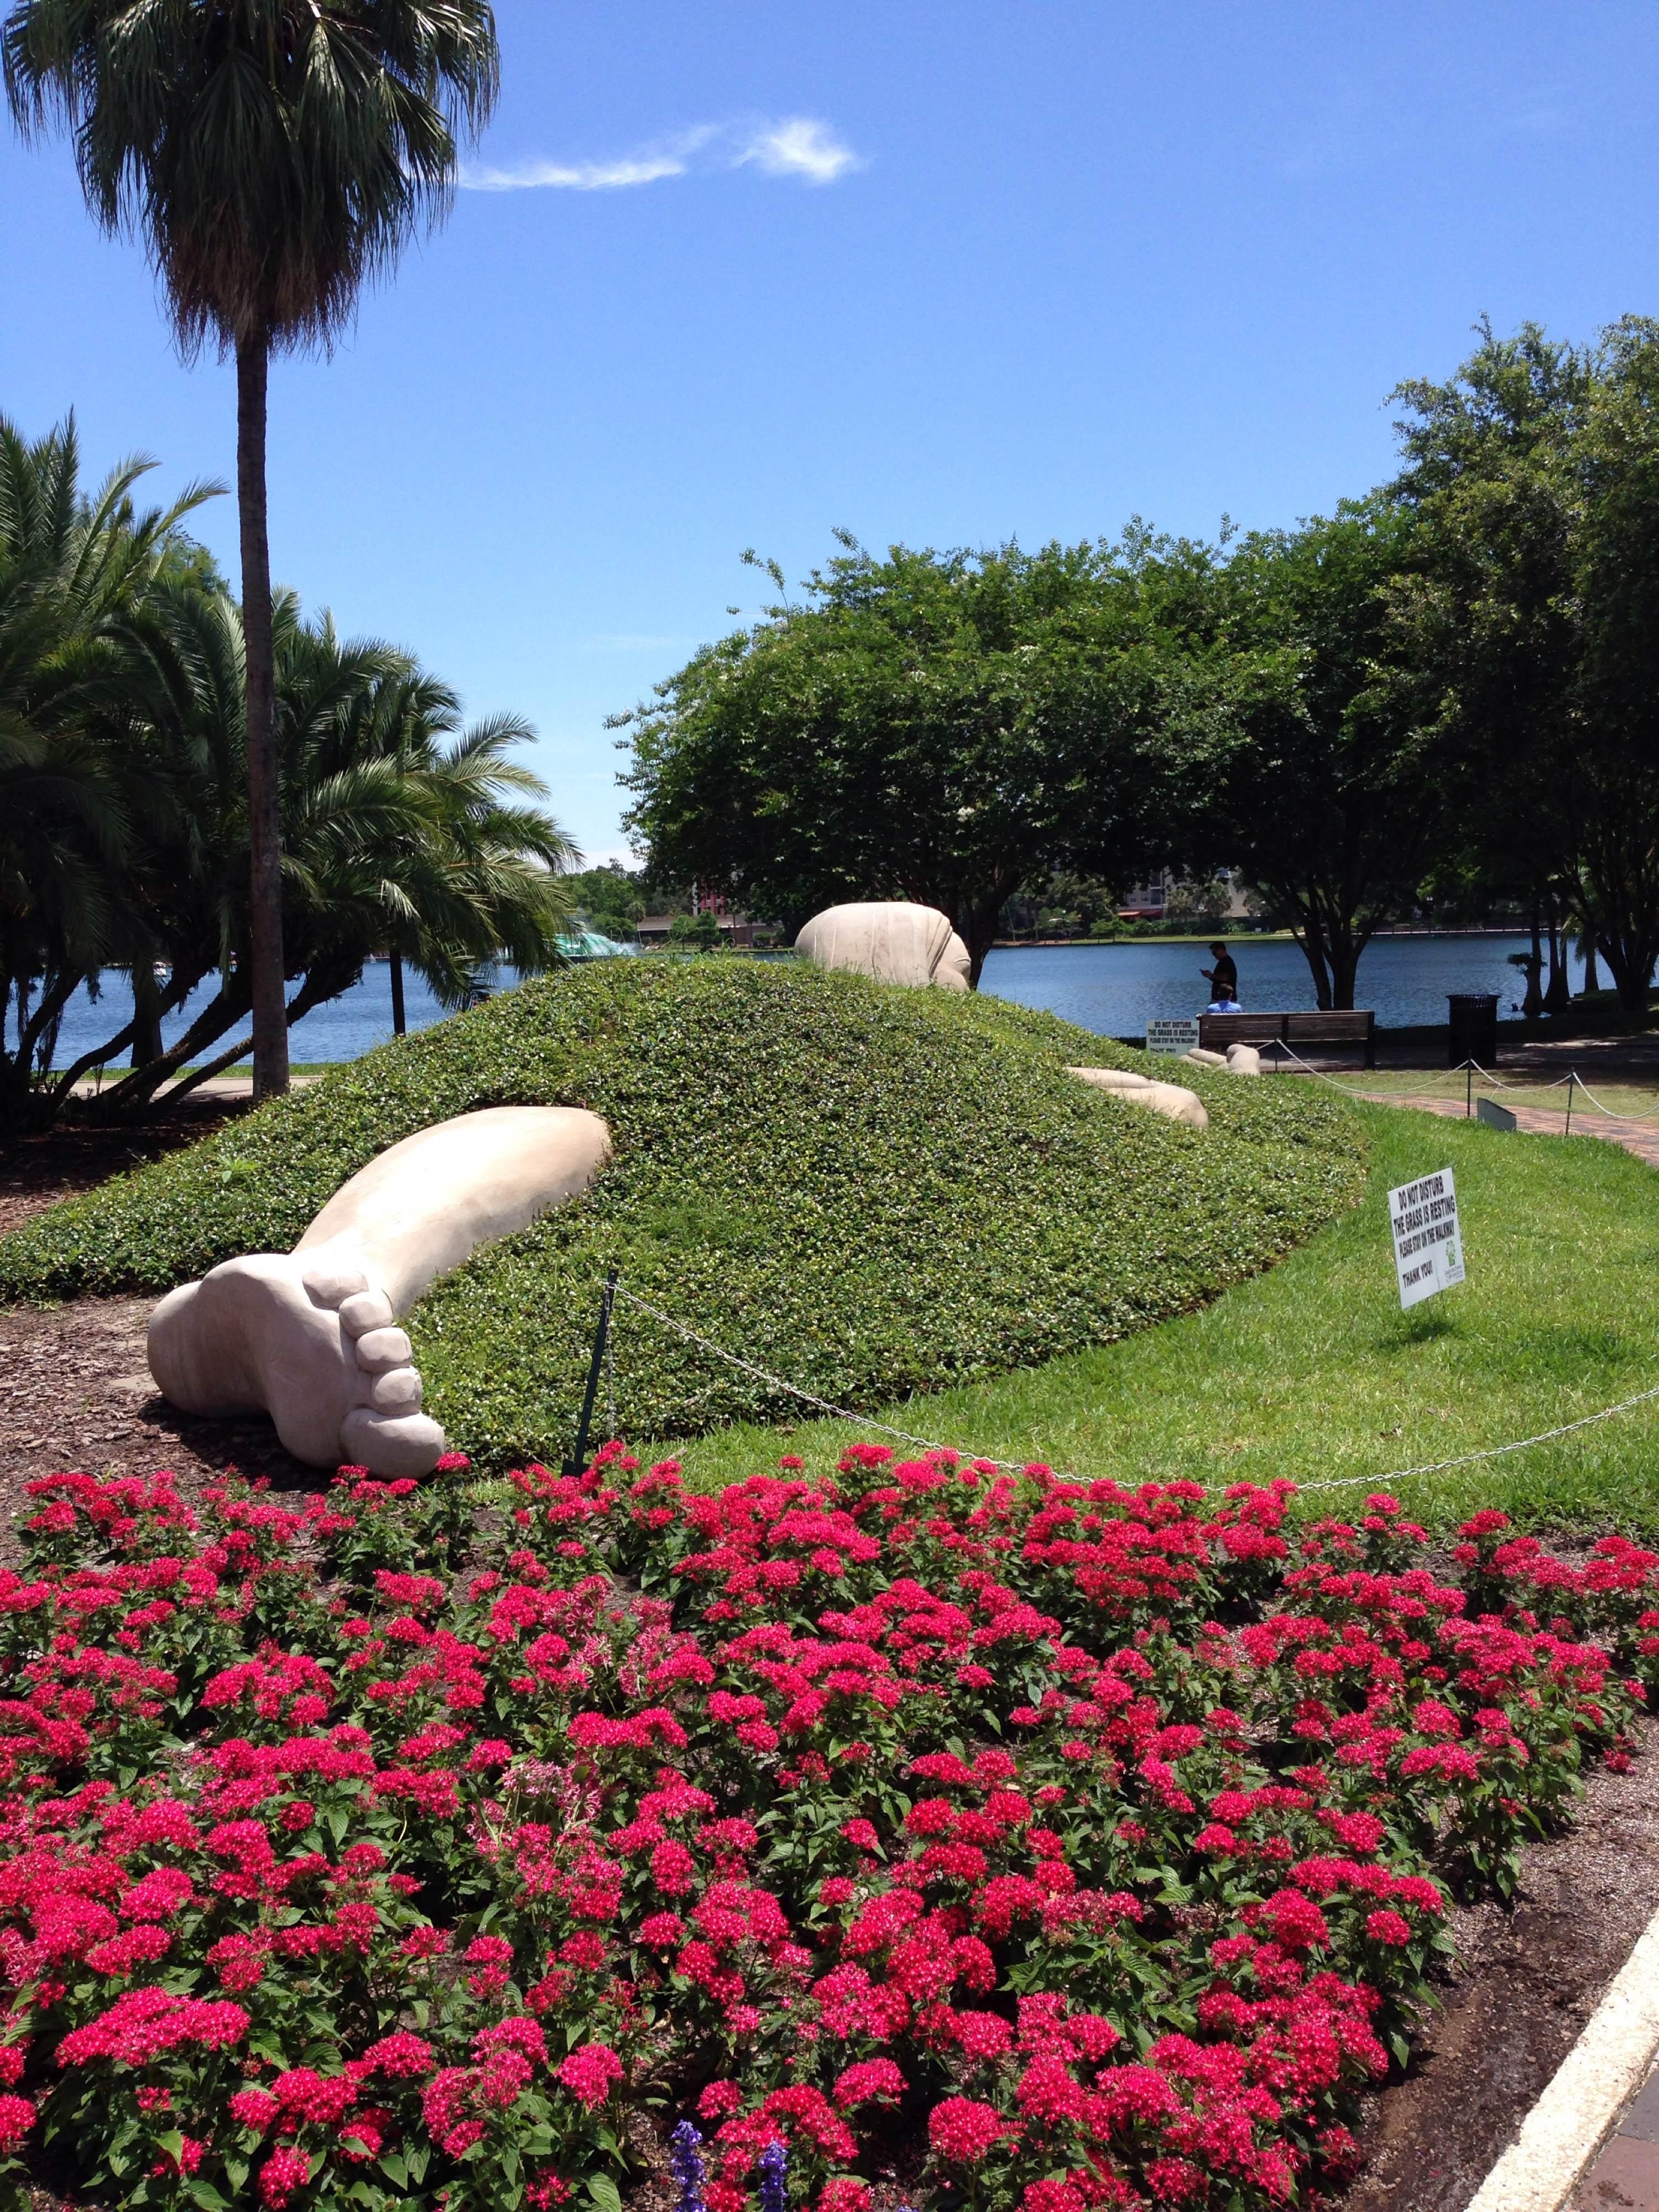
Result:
[[216, 1086]]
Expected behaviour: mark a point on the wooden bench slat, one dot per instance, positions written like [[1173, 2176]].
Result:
[[1333, 1023], [1217, 1029], [1345, 1025]]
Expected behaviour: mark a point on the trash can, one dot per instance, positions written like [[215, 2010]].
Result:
[[1472, 1028]]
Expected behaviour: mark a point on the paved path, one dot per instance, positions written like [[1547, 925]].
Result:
[[1626, 2177], [216, 1086]]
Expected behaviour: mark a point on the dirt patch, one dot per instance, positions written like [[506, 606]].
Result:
[[1528, 1981], [75, 1394], [36, 1172]]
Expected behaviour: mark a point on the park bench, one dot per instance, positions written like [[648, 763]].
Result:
[[1217, 1031]]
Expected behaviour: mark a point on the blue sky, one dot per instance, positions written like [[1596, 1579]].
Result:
[[948, 273]]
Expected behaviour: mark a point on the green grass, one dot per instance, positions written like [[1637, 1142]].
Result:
[[1312, 1371], [872, 1190]]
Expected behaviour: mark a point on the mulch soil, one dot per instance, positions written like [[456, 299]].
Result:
[[36, 1172], [74, 1392], [1528, 1979]]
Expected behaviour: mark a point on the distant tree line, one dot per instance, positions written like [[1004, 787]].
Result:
[[124, 828], [1445, 693]]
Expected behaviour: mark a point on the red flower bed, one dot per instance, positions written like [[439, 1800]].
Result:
[[1049, 1846]]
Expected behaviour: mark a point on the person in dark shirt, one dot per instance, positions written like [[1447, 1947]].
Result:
[[1223, 978]]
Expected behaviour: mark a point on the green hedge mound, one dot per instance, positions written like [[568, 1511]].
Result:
[[864, 1190]]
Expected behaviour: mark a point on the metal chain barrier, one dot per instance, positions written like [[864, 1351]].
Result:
[[1009, 1467]]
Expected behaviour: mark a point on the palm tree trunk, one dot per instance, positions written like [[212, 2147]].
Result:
[[397, 994], [265, 817], [1558, 997], [1533, 1005]]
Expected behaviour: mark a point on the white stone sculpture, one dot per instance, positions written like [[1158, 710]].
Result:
[[1169, 1099], [308, 1336], [1243, 1060], [890, 939], [1200, 1058]]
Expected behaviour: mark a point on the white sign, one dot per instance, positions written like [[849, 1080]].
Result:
[[1172, 1037], [1428, 1244]]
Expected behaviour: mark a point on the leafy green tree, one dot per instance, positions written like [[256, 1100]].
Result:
[[694, 932], [1535, 472], [1322, 796], [610, 897], [941, 727], [1487, 616], [272, 155]]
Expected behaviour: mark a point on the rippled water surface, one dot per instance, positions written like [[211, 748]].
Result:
[[1116, 988]]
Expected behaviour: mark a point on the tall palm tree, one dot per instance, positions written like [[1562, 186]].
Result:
[[272, 155]]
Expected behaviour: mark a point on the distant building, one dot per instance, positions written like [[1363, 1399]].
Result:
[[1147, 901], [651, 929]]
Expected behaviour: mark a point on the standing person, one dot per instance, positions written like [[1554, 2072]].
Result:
[[1223, 978]]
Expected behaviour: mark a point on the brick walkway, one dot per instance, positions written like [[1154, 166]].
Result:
[[1626, 2177]]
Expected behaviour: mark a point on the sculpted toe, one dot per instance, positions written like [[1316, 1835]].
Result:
[[382, 1349], [369, 1309], [409, 1444], [399, 1392]]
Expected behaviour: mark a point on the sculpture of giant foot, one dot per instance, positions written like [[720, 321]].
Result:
[[1170, 1099], [308, 1336]]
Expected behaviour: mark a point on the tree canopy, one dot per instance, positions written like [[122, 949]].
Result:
[[933, 727]]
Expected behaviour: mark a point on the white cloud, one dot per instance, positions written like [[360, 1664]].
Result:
[[581, 177], [799, 146], [794, 146]]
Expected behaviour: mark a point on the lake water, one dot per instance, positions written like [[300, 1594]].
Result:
[[1113, 990], [1116, 988]]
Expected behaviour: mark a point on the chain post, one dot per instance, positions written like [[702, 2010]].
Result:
[[577, 1464]]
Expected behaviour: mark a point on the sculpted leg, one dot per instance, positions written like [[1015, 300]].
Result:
[[308, 1336]]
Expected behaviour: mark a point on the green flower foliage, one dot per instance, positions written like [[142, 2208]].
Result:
[[864, 1190]]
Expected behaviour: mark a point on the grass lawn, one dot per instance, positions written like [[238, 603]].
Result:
[[1313, 1371]]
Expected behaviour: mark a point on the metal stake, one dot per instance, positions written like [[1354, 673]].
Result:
[[577, 1464], [1572, 1078], [1469, 1089]]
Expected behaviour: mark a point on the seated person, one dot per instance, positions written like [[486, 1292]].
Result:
[[1223, 1006]]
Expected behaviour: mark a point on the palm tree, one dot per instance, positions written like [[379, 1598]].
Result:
[[397, 826], [272, 155], [89, 668]]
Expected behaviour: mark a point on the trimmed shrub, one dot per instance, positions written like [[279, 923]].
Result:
[[866, 1191]]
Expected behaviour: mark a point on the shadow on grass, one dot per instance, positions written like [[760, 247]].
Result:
[[1421, 1326]]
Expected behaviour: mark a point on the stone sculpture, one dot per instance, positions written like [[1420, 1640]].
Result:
[[1169, 1099], [890, 939], [308, 1336], [1238, 1060]]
